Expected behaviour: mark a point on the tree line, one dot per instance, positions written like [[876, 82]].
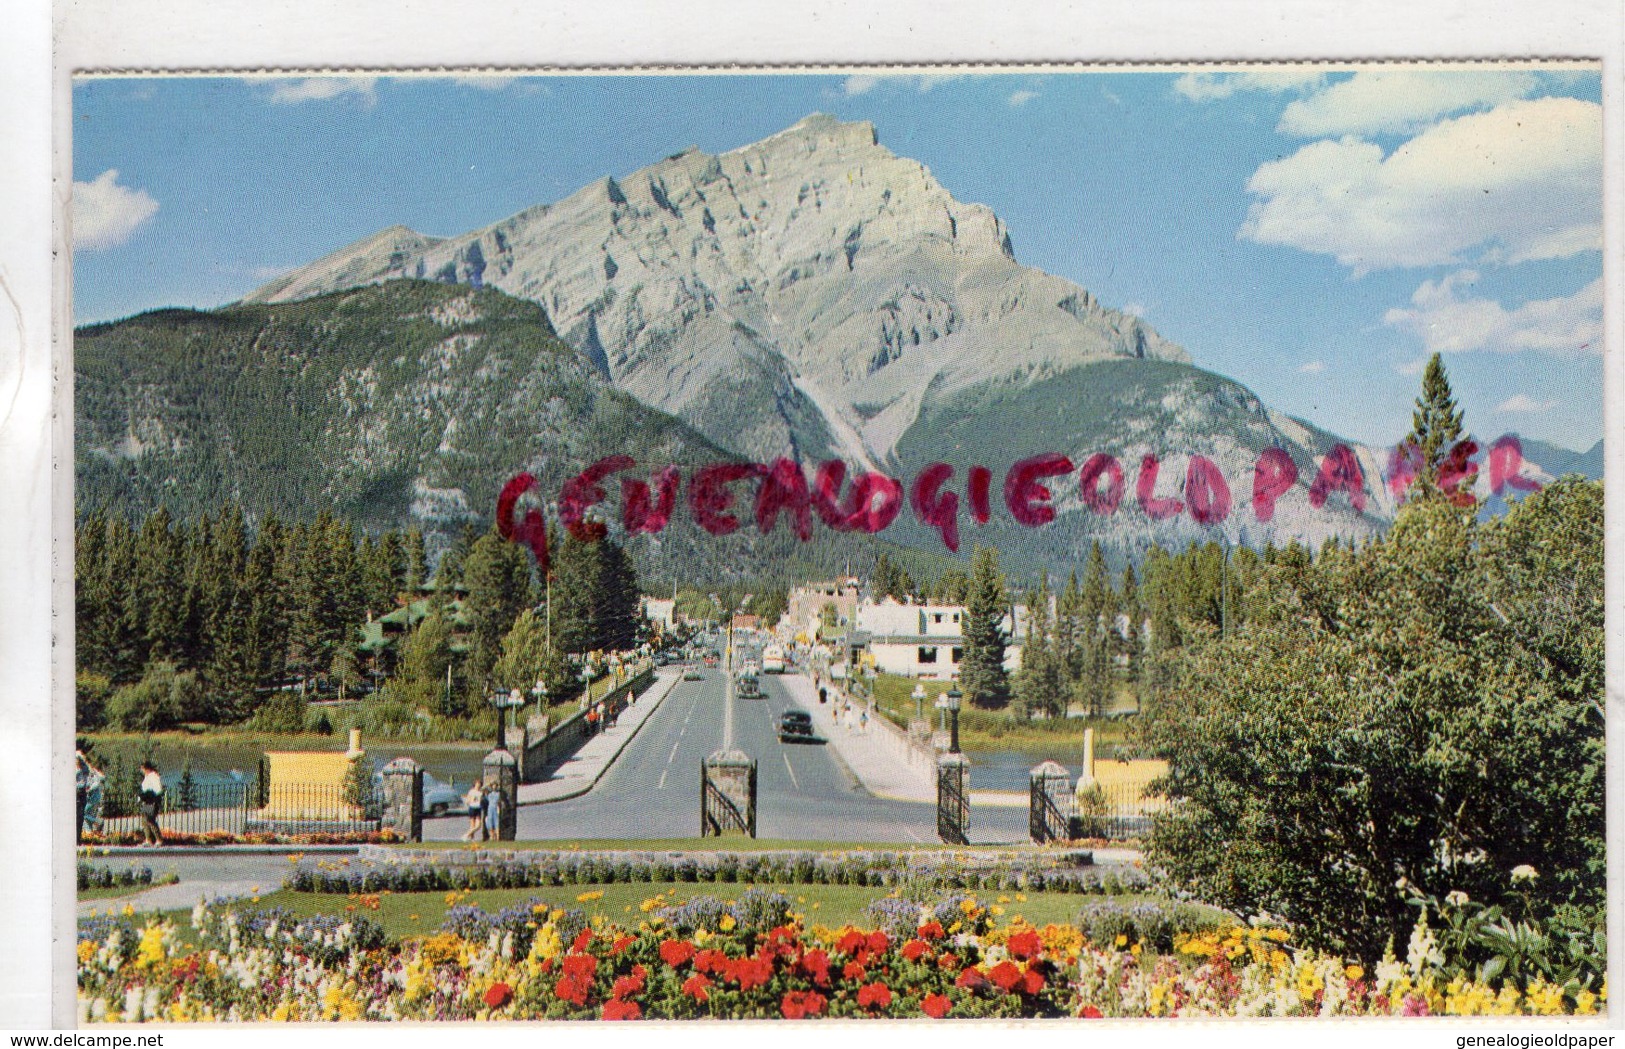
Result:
[[210, 621]]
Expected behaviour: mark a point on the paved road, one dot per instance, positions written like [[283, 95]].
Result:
[[652, 790]]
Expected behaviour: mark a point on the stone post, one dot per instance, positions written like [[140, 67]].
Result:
[[727, 794], [502, 772], [403, 799]]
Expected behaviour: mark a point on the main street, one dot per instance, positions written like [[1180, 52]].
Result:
[[803, 791]]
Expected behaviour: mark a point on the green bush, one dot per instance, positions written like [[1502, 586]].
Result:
[[1154, 923]]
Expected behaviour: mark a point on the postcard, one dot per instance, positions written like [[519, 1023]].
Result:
[[1040, 543]]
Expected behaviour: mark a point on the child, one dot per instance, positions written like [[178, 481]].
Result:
[[475, 800]]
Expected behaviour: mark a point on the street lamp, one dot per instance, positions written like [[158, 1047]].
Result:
[[504, 703], [540, 692], [919, 700], [950, 703]]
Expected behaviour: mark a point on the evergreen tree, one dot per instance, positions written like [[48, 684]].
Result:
[[161, 587], [982, 675], [1435, 425], [1069, 631], [417, 562], [1128, 600], [426, 658], [1039, 688], [497, 574]]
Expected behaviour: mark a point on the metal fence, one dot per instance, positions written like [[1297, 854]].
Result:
[[1119, 810], [248, 808]]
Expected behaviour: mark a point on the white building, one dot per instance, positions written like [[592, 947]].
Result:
[[927, 640], [661, 611]]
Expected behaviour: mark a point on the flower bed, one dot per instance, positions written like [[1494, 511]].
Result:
[[1038, 872], [93, 877], [754, 958]]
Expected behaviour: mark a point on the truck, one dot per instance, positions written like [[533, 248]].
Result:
[[773, 659]]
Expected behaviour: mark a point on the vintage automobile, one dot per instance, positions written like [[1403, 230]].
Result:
[[795, 726], [749, 686]]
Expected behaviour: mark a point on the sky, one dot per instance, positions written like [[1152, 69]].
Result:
[[1312, 233]]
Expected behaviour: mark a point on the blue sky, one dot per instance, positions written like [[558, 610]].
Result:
[[1312, 234]]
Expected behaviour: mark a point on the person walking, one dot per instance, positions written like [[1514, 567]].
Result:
[[87, 783], [863, 723], [475, 801], [152, 800], [493, 812]]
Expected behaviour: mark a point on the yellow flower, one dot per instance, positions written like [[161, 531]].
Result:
[[411, 917], [1353, 972], [727, 923], [129, 911], [1135, 950], [556, 915], [1021, 897], [540, 908], [1585, 1003], [589, 897], [1121, 941], [997, 910], [87, 951], [1004, 899], [968, 906]]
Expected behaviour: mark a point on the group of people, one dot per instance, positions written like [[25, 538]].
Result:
[[484, 803], [88, 781]]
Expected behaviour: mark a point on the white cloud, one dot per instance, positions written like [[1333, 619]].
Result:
[[1209, 87], [1021, 98], [1311, 368], [863, 83], [1400, 101], [485, 83], [1412, 367], [1449, 320], [1524, 403], [106, 213], [1522, 181], [324, 88]]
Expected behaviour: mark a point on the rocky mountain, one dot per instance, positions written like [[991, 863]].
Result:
[[405, 403], [825, 284], [816, 295]]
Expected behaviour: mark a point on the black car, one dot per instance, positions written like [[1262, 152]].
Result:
[[795, 726]]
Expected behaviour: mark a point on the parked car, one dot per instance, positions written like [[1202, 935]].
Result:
[[795, 726], [440, 798]]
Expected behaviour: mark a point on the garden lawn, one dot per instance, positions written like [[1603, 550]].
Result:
[[999, 729], [112, 892], [404, 915]]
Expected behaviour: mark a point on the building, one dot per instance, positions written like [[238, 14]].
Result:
[[661, 611], [926, 641], [805, 610]]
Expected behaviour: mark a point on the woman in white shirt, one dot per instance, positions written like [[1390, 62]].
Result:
[[152, 798]]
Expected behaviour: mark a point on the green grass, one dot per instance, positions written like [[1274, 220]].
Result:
[[112, 892], [410, 914]]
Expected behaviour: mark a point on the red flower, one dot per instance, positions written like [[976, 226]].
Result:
[[914, 948], [815, 964], [697, 987], [851, 942], [1005, 975], [498, 995], [799, 1005], [750, 973], [948, 962], [639, 971], [879, 941], [931, 931], [626, 985], [874, 995], [572, 989], [1032, 981], [579, 966], [622, 943], [676, 952], [972, 979], [853, 971], [710, 960], [582, 941], [1089, 1012], [615, 1009], [1025, 944], [935, 1006]]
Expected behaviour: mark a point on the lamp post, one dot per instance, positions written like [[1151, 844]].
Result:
[[540, 692], [919, 700], [951, 704], [504, 703]]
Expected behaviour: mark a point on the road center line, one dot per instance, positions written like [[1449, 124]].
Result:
[[791, 769], [673, 756]]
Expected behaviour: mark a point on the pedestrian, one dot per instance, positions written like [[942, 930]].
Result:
[[493, 812], [822, 695], [863, 723], [87, 783], [475, 802], [152, 800]]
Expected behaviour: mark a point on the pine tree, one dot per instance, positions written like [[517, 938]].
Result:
[[982, 675], [1128, 600], [161, 588], [1435, 425], [417, 562], [1038, 683], [497, 574]]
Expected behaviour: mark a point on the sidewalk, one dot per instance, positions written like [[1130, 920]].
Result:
[[582, 770], [878, 756]]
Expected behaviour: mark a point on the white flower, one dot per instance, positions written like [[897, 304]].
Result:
[[1456, 898], [1524, 872]]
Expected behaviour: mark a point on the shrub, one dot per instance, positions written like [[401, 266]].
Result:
[[1153, 924]]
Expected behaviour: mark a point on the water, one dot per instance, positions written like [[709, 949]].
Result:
[[1012, 769], [235, 762]]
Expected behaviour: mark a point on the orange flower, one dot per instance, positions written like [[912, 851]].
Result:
[[935, 1006]]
